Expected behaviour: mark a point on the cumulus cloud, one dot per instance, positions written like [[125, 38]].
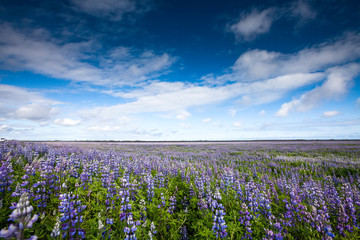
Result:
[[262, 112], [253, 24], [67, 122], [339, 80], [329, 114], [70, 61]]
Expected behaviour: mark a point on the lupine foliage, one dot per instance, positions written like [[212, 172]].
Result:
[[258, 190]]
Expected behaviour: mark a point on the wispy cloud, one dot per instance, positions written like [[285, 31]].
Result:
[[72, 61], [302, 10], [257, 22], [5, 128], [182, 115], [259, 64], [338, 81], [253, 24], [206, 120]]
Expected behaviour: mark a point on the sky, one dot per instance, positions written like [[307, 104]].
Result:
[[179, 69]]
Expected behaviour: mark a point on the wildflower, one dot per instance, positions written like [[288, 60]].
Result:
[[56, 231], [21, 215]]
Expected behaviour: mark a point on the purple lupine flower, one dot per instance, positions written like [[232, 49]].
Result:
[[21, 215], [131, 229], [150, 187], [349, 203], [163, 203], [142, 210], [219, 224], [245, 218], [184, 233], [6, 178], [172, 204], [70, 215]]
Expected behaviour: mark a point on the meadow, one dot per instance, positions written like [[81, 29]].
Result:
[[235, 190]]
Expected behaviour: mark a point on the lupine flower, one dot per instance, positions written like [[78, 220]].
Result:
[[172, 206], [101, 225], [245, 219], [70, 215], [56, 231], [219, 225], [152, 231], [183, 233], [22, 216]]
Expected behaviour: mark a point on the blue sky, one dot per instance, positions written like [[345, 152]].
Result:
[[179, 70]]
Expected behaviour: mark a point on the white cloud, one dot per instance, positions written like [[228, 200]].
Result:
[[206, 120], [182, 115], [174, 101], [261, 64], [20, 103], [12, 95], [237, 124], [262, 112], [182, 96], [257, 64], [287, 107], [285, 72], [330, 113], [67, 122], [5, 128], [339, 80], [36, 112], [118, 67], [253, 24]]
